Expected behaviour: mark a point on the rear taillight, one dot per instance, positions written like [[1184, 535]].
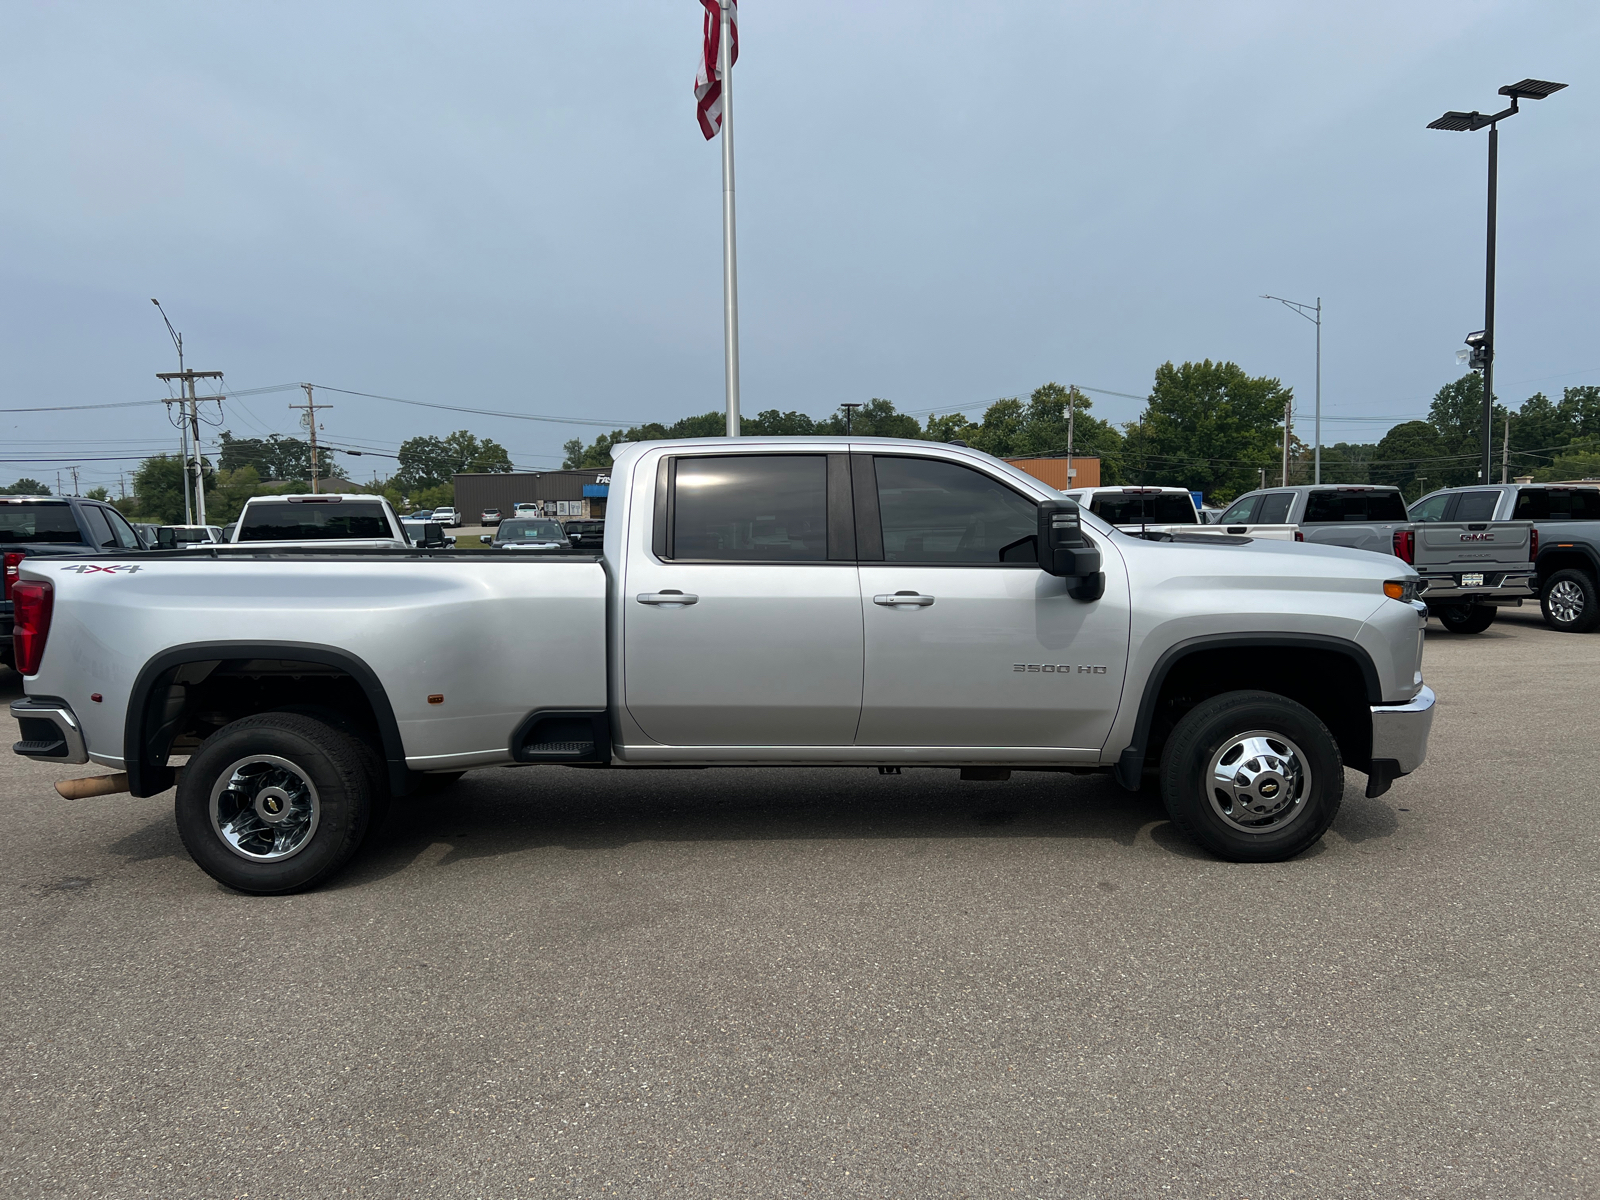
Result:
[[33, 600], [1299, 535], [1405, 545], [1533, 545], [12, 570]]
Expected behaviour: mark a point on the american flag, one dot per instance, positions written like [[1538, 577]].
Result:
[[707, 81]]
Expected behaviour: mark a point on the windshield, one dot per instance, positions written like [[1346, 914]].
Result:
[[530, 531], [37, 522], [289, 521], [1159, 508]]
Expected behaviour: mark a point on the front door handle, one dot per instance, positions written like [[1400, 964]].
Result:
[[667, 597], [899, 598]]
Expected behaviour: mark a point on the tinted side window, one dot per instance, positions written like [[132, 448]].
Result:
[[1574, 504], [1533, 504], [99, 531], [1275, 508], [942, 512], [122, 531], [1242, 512], [1431, 509], [751, 508], [1476, 506], [1336, 506]]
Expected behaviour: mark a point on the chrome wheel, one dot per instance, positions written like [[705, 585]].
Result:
[[264, 808], [1565, 599], [1258, 782]]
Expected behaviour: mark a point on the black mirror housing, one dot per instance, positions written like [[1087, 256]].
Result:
[[166, 538], [432, 535], [1066, 553]]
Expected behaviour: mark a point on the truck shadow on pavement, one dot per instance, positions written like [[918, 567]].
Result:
[[493, 813]]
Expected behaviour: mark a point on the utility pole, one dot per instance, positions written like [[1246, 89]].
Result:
[[1071, 389], [75, 490], [310, 407], [189, 404], [1288, 420], [1505, 450], [1314, 315]]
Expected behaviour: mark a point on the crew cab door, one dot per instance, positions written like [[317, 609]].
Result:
[[742, 627], [968, 642]]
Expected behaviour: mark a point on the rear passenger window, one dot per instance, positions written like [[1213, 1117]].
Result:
[[1275, 508], [751, 508], [1354, 504], [1242, 512], [942, 512], [122, 531], [1574, 504], [1476, 506]]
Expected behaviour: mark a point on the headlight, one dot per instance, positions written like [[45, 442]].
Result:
[[1404, 590]]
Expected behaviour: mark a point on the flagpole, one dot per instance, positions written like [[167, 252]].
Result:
[[730, 272]]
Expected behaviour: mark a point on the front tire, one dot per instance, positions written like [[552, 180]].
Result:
[[274, 803], [1252, 776], [1466, 618], [1569, 601]]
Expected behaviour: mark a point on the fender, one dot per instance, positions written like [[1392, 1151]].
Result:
[[1130, 764], [148, 774], [1562, 549]]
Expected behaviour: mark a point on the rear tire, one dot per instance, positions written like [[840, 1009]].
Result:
[[1569, 601], [1466, 618], [1252, 776], [274, 803]]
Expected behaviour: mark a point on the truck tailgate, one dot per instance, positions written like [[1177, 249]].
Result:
[[1473, 554]]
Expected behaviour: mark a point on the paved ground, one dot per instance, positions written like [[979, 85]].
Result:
[[828, 983]]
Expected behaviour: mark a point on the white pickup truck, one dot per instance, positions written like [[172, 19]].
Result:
[[758, 602]]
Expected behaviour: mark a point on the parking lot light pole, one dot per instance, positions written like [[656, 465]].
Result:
[[1468, 122], [1306, 311]]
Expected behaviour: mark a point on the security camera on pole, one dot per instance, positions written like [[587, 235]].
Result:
[[713, 94]]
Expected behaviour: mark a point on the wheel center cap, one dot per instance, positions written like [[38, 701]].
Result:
[[273, 805]]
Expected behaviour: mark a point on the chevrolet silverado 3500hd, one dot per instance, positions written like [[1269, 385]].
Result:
[[758, 602]]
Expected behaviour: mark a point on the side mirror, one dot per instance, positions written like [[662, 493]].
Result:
[[486, 538], [166, 538], [1065, 553], [432, 535]]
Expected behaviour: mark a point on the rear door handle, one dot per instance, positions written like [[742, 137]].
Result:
[[899, 598], [667, 597]]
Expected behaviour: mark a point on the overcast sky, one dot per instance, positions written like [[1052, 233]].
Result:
[[510, 206]]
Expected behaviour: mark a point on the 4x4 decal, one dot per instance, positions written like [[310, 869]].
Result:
[[91, 568]]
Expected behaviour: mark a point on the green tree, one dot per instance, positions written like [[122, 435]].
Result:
[[159, 486], [1580, 407], [431, 461], [1410, 451], [274, 457], [232, 488], [1209, 427], [98, 493], [25, 487]]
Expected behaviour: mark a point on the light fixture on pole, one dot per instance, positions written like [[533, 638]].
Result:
[[1468, 122], [849, 411], [1314, 315]]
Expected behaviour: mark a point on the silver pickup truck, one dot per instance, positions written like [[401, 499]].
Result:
[[1472, 564], [758, 602], [1361, 516]]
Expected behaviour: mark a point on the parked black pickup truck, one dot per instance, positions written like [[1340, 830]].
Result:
[[32, 525]]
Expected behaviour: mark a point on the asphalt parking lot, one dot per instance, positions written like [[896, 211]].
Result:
[[829, 983]]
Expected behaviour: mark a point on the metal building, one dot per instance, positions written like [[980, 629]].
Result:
[[563, 493]]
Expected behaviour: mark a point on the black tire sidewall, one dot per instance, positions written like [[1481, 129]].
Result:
[[1201, 733], [330, 760], [1467, 618], [1591, 602]]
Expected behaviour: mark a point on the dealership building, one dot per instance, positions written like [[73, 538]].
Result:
[[558, 493]]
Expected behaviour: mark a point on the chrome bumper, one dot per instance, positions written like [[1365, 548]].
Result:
[[1400, 732], [50, 731], [1444, 589]]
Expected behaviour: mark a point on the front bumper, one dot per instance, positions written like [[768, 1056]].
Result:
[[1399, 739], [50, 731]]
